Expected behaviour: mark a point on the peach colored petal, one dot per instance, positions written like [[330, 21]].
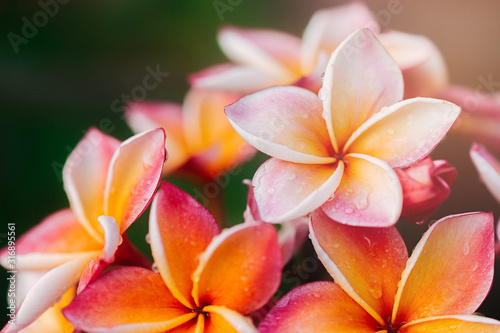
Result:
[[84, 176], [405, 132], [222, 319], [317, 307], [127, 299], [450, 271], [144, 116], [285, 191], [327, 28], [240, 269], [242, 79], [134, 174], [48, 290], [360, 79], [273, 52], [180, 230], [366, 262], [368, 195], [284, 122], [488, 168], [445, 324], [195, 325], [423, 66]]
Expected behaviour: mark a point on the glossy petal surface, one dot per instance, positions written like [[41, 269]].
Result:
[[488, 168], [180, 230], [317, 307], [311, 186], [241, 268], [368, 195], [366, 262], [445, 324], [222, 319], [450, 271]]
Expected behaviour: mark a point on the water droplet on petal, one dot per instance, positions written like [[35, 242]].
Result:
[[390, 131], [120, 240], [349, 210], [466, 250], [154, 267], [148, 238]]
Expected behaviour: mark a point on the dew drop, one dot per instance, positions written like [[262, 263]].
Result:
[[120, 240], [466, 249], [154, 267], [148, 238], [322, 94], [375, 291], [291, 176], [316, 295], [349, 210], [270, 190], [390, 131]]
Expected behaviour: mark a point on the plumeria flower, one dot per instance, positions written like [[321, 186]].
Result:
[[208, 280], [198, 133], [378, 288], [425, 186], [480, 118], [262, 58], [109, 184], [337, 151]]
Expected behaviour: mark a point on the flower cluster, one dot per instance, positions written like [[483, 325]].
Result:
[[348, 115]]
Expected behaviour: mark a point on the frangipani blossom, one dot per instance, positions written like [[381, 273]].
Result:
[[262, 58], [208, 280], [198, 133], [109, 184], [379, 289], [338, 150], [425, 186]]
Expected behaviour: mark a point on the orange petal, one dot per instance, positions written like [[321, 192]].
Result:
[[362, 198], [84, 175], [450, 271], [127, 299], [317, 307], [222, 319], [361, 78], [311, 184], [327, 28], [241, 268], [405, 132], [270, 51], [284, 122], [134, 175], [180, 230], [366, 262], [144, 116], [445, 324]]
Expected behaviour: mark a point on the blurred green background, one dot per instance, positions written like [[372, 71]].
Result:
[[66, 77]]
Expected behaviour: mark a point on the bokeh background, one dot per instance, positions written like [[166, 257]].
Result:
[[67, 76]]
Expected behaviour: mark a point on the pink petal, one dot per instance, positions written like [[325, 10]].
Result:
[[368, 195], [284, 122], [270, 51], [317, 307], [84, 175], [488, 168], [291, 236], [144, 116], [327, 28], [366, 262], [180, 230], [450, 271], [242, 79], [423, 66], [134, 174], [361, 79], [405, 132], [127, 299], [240, 269], [285, 191]]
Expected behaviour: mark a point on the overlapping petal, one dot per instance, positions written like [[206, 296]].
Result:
[[311, 184], [240, 269], [180, 230], [404, 132], [361, 78], [445, 324], [284, 122], [450, 271], [130, 299], [222, 319], [369, 193], [85, 173], [134, 174], [317, 307], [366, 262], [488, 167]]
